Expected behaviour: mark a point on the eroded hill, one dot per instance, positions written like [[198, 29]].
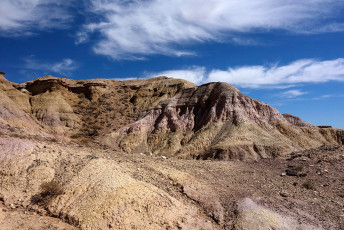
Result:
[[104, 154], [159, 115]]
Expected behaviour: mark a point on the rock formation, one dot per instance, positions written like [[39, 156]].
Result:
[[160, 115], [215, 120], [105, 154]]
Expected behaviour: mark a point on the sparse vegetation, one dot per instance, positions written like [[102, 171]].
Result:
[[49, 190]]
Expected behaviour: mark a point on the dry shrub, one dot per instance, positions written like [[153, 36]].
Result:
[[49, 190]]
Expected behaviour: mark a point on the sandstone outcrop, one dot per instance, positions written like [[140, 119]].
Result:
[[296, 121], [84, 108], [15, 110], [215, 120], [159, 115]]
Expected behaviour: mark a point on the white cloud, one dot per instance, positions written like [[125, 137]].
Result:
[[193, 74], [133, 29], [64, 67], [327, 96], [125, 79], [274, 76], [301, 71], [292, 93], [23, 17]]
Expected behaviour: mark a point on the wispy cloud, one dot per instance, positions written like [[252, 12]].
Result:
[[194, 74], [273, 76], [64, 67], [301, 71], [134, 29], [24, 17], [125, 79], [292, 93], [328, 96]]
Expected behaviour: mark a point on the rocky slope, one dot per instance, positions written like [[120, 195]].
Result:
[[217, 121], [160, 115], [106, 189], [103, 154]]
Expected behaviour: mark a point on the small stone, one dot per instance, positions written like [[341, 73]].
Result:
[[164, 157], [283, 174], [291, 173], [12, 206], [284, 193]]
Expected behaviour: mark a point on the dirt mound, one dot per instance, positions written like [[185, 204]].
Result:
[[103, 195], [102, 188], [254, 216]]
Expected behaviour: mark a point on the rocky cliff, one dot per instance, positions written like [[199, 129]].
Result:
[[160, 115], [215, 120]]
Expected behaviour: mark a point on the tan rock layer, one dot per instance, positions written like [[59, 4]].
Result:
[[217, 121], [160, 115]]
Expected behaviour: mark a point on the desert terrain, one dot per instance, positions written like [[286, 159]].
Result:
[[161, 153]]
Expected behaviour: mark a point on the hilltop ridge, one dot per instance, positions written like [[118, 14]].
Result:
[[162, 115]]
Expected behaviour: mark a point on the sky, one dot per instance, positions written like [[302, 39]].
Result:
[[289, 54]]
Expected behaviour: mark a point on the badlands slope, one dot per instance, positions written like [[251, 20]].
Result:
[[161, 153]]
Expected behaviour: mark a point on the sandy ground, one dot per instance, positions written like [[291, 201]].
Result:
[[306, 187]]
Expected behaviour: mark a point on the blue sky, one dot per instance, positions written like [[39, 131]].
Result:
[[289, 54]]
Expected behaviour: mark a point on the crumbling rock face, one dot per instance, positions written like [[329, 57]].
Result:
[[294, 120], [159, 115], [215, 120], [15, 109], [53, 111], [87, 108]]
